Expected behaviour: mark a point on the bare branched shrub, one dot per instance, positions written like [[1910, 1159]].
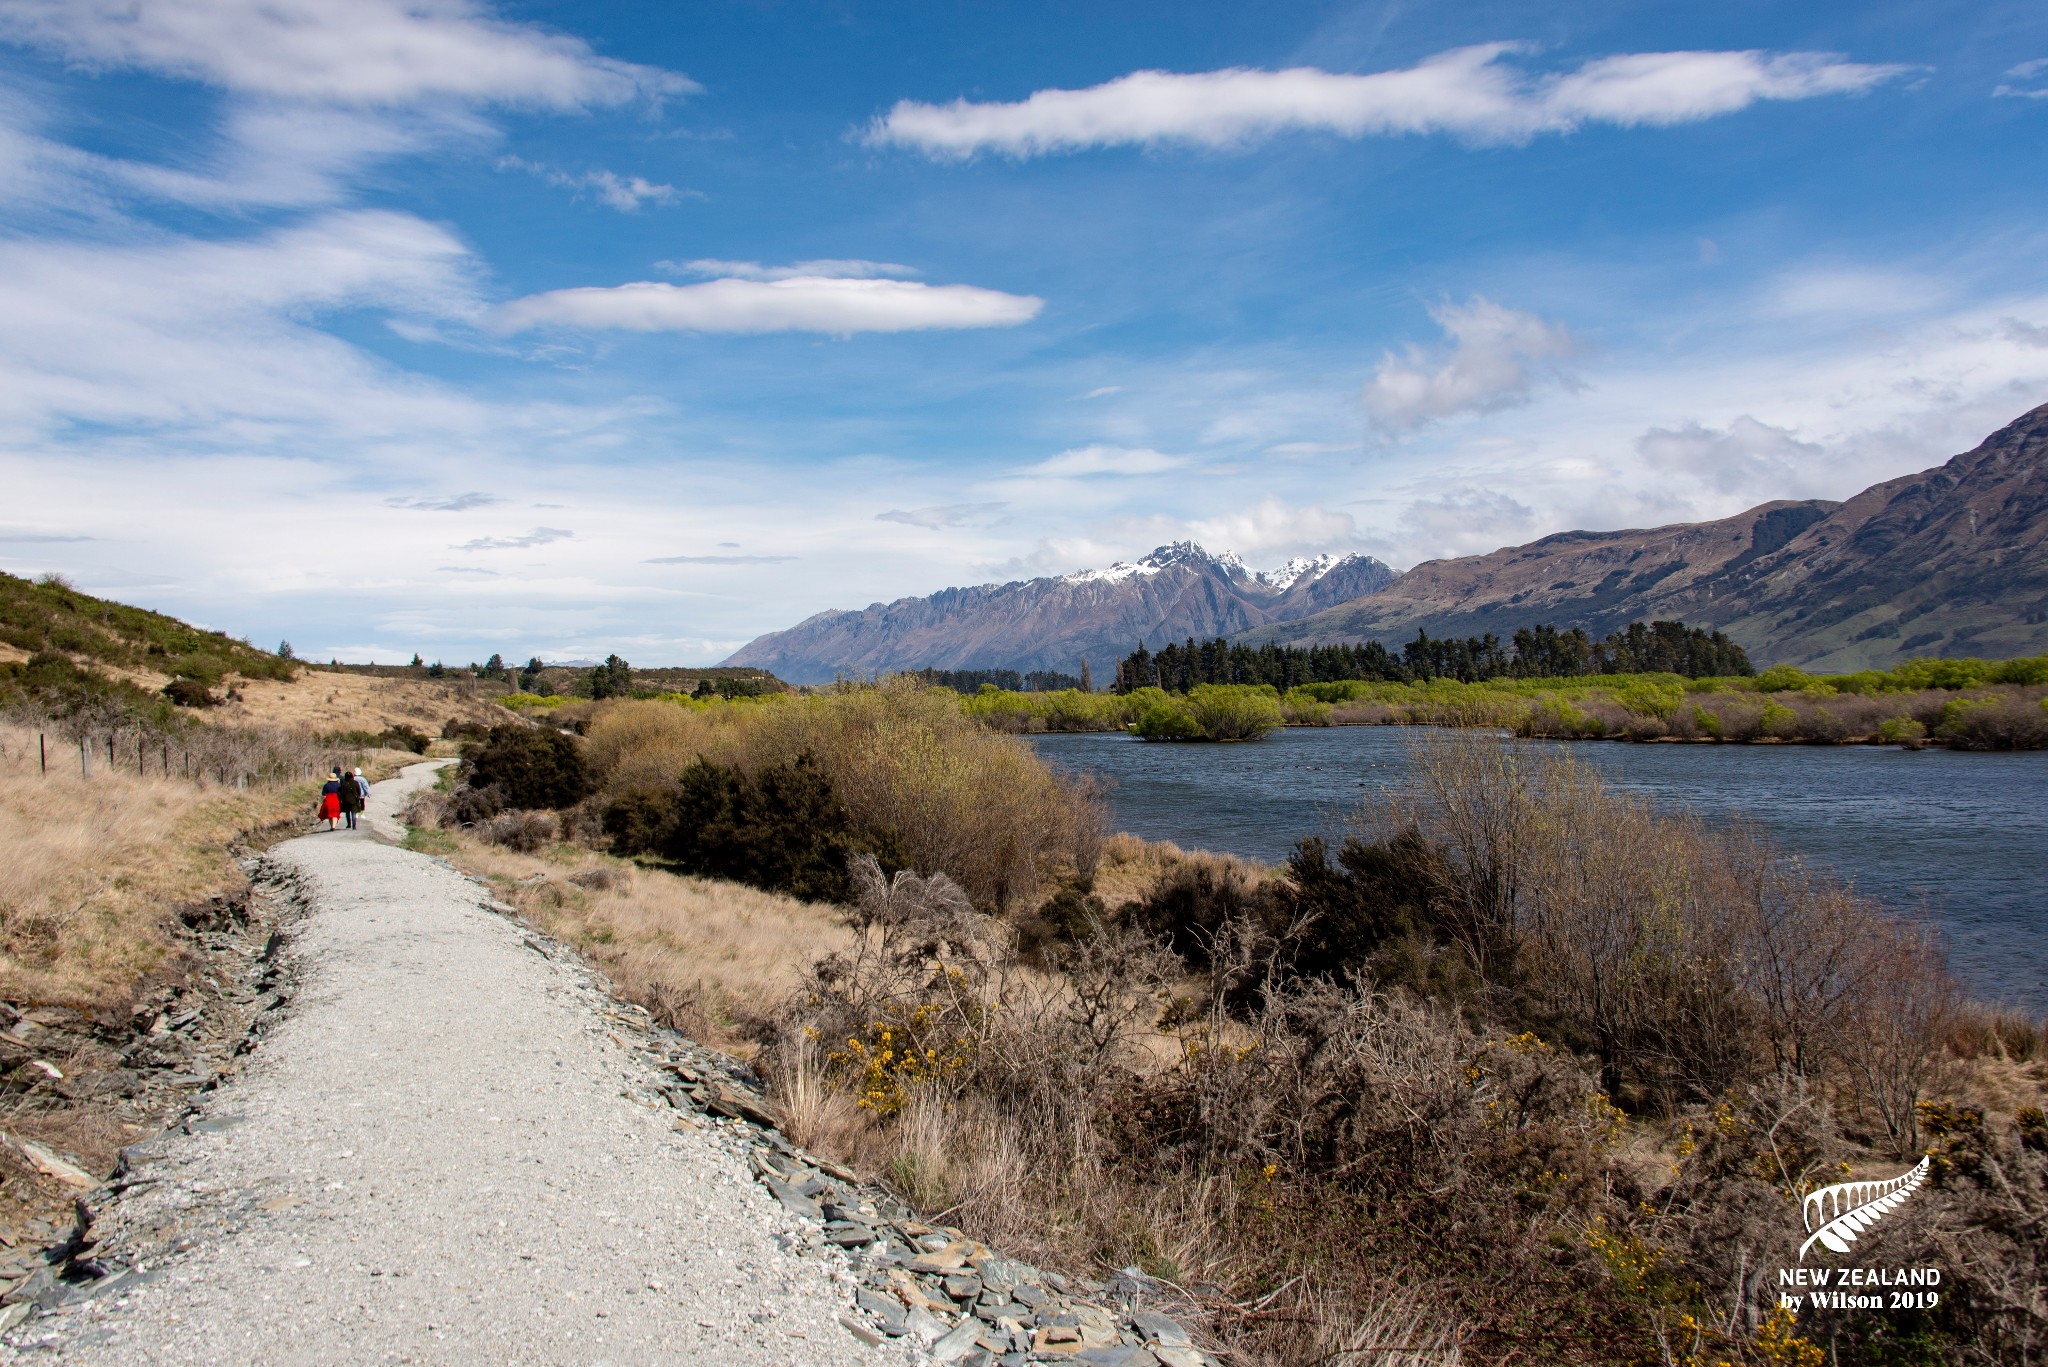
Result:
[[1889, 1036], [525, 831]]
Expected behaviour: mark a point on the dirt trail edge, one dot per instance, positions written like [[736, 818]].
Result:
[[443, 1151]]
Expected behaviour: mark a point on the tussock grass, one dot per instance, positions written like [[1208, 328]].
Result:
[[93, 870], [324, 702], [711, 958]]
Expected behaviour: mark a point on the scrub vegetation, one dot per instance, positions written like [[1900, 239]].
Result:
[[1519, 1069], [1964, 704]]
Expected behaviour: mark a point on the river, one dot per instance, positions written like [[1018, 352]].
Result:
[[1963, 836]]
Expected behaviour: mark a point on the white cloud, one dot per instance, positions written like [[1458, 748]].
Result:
[[1495, 358], [1105, 460], [366, 52], [539, 536], [1103, 391], [2026, 334], [1274, 528], [826, 304], [624, 193], [2031, 74], [1747, 457], [1852, 290], [720, 560], [176, 334], [455, 503], [1467, 92], [753, 270], [1466, 521], [946, 515]]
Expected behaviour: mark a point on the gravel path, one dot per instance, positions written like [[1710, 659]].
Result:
[[441, 1153]]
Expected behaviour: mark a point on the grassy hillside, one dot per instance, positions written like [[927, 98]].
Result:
[[49, 615]]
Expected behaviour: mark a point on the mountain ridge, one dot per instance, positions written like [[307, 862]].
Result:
[[1947, 561], [1054, 622]]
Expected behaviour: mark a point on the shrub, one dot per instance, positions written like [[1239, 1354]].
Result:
[[1235, 711], [524, 831], [1199, 897], [1167, 721], [1901, 731], [1648, 699], [1303, 708], [403, 737], [1778, 721], [1786, 679], [782, 830], [2007, 723], [1555, 716], [187, 692], [1822, 726], [529, 767]]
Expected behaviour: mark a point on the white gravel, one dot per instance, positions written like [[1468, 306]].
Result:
[[443, 1154]]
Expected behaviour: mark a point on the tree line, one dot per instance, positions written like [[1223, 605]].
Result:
[[1032, 681], [1539, 652]]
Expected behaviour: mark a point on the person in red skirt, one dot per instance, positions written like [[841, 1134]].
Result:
[[330, 799]]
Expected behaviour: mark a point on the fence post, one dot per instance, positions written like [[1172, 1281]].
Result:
[[84, 759], [43, 753]]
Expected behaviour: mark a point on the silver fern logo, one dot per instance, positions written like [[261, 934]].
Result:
[[1836, 1215]]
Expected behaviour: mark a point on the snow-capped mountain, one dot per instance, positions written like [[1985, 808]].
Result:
[[1177, 591]]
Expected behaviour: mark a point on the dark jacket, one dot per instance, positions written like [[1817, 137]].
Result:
[[351, 795]]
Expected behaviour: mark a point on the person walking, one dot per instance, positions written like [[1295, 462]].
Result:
[[362, 786], [351, 797], [330, 798]]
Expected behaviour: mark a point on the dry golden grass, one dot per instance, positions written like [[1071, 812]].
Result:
[[1132, 867], [325, 702], [714, 959], [92, 871]]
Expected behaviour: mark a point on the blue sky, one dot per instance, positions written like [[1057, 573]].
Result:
[[560, 328]]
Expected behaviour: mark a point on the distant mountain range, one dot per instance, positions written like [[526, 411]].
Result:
[[1950, 561], [1100, 616]]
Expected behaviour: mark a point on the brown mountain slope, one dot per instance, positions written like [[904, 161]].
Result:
[[1950, 561]]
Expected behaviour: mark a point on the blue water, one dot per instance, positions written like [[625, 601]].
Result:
[[1963, 837]]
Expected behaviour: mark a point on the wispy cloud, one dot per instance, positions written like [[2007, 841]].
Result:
[[627, 194], [31, 536], [834, 305], [1746, 457], [1467, 92], [454, 503], [1105, 460], [1496, 355], [827, 267], [720, 560], [539, 536], [2031, 78], [366, 52], [949, 515]]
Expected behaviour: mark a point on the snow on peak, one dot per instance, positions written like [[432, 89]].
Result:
[[1301, 569]]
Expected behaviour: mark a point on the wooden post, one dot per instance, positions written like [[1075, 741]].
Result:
[[84, 759], [43, 753]]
